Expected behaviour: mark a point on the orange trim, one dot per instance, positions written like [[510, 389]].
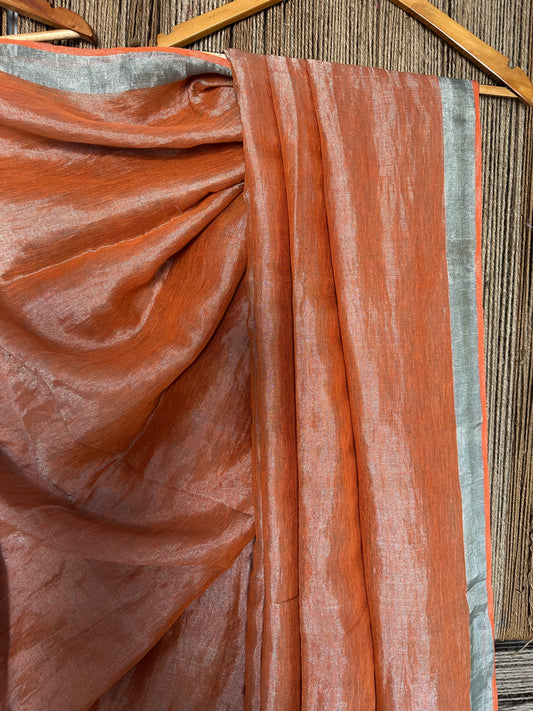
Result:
[[59, 49], [482, 381]]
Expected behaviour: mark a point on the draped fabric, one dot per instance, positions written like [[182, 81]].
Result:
[[243, 423]]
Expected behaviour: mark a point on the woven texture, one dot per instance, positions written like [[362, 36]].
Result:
[[193, 224], [381, 35], [514, 662]]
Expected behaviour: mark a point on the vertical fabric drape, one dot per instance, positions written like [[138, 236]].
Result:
[[243, 420]]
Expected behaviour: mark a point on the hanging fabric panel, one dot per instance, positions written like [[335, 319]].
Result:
[[243, 424]]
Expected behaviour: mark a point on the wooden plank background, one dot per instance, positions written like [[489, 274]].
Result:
[[374, 32]]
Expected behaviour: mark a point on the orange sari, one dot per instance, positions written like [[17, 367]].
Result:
[[243, 423]]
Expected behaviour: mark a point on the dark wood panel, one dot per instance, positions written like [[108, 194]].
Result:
[[379, 34]]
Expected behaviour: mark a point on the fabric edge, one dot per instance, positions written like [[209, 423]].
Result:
[[463, 205], [482, 376], [104, 71]]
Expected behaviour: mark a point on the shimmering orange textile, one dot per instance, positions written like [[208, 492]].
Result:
[[229, 463]]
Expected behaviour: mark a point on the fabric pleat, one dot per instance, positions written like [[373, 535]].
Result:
[[233, 476]]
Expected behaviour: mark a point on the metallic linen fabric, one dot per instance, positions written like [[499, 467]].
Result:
[[459, 121], [242, 420]]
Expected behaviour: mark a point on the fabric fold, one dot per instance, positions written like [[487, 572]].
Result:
[[242, 436], [330, 620]]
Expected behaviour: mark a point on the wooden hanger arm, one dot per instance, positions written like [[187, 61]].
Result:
[[42, 11], [44, 36], [197, 27], [482, 54]]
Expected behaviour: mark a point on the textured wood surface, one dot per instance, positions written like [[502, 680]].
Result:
[[377, 33], [205, 24]]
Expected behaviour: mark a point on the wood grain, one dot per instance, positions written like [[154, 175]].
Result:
[[46, 36], [480, 53], [42, 11], [375, 32], [201, 25]]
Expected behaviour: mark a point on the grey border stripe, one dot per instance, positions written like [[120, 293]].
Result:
[[459, 122], [101, 74]]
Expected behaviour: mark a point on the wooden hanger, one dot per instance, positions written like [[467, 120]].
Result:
[[482, 54], [202, 25], [477, 51], [42, 11]]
